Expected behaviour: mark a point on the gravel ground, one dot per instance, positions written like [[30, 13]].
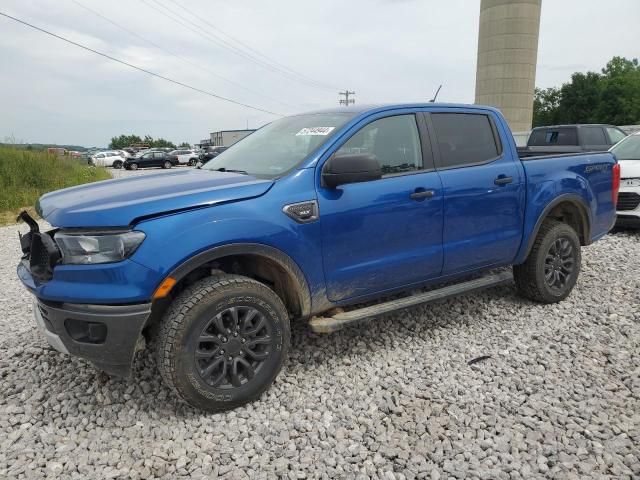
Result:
[[394, 399]]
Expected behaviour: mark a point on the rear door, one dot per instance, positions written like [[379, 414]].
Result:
[[158, 159], [593, 139], [385, 233], [483, 188]]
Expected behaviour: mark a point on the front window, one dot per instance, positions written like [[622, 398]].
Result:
[[280, 146], [393, 140], [628, 149]]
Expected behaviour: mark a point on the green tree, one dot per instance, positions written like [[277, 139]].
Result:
[[620, 95], [612, 96], [545, 106], [162, 143], [124, 141], [185, 145], [579, 98]]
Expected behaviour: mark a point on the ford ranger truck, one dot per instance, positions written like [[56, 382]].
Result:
[[314, 217]]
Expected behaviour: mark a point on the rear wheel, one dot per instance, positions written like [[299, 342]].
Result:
[[223, 341], [167, 164], [553, 265], [133, 166]]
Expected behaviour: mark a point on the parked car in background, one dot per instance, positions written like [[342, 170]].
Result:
[[560, 139], [210, 152], [628, 154], [111, 158], [185, 157], [151, 159], [124, 153], [310, 214]]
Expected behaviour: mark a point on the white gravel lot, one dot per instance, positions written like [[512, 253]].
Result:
[[393, 399]]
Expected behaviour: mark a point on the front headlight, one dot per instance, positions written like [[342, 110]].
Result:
[[86, 248]]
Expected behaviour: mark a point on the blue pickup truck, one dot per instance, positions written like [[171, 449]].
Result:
[[329, 217]]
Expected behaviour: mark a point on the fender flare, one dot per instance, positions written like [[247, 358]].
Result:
[[583, 209], [280, 258]]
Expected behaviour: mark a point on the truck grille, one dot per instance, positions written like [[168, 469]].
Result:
[[628, 201]]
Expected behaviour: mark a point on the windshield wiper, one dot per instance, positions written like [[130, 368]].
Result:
[[222, 169]]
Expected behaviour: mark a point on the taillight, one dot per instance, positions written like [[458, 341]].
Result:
[[615, 183]]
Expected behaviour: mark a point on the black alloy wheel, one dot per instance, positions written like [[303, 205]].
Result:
[[233, 347], [558, 264], [223, 341], [552, 267]]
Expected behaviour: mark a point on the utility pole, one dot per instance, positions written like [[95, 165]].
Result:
[[347, 101]]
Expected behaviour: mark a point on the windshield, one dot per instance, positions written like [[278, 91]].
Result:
[[280, 146], [628, 149]]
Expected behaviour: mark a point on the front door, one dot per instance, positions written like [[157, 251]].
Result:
[[385, 233], [483, 188]]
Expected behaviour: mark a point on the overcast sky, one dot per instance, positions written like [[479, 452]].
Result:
[[387, 51]]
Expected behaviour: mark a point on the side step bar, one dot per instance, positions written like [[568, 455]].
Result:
[[344, 319]]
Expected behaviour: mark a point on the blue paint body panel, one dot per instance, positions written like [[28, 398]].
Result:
[[370, 239]]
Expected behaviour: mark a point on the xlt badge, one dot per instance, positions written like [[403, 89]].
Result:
[[302, 212]]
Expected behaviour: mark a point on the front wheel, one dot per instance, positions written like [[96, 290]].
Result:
[[192, 162], [133, 166], [553, 265], [117, 164], [223, 341], [167, 164]]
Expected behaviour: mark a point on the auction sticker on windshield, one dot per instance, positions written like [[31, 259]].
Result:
[[315, 131]]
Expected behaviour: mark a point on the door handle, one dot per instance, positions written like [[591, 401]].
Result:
[[503, 180], [422, 194]]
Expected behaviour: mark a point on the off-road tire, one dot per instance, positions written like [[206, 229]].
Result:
[[530, 276], [186, 321]]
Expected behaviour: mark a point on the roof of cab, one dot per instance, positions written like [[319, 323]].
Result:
[[372, 108]]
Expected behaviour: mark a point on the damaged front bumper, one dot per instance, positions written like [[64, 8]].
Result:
[[106, 335]]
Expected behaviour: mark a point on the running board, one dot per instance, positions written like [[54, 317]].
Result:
[[344, 319]]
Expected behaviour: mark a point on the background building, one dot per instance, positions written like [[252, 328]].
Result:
[[226, 138], [507, 56]]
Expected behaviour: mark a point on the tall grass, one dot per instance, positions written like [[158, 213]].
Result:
[[27, 174]]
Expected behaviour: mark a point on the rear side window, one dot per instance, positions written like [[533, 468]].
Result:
[[553, 136], [593, 136], [615, 135], [464, 139]]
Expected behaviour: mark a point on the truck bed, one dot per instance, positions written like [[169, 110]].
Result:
[[570, 175]]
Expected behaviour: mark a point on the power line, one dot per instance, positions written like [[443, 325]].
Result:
[[179, 57], [248, 47], [157, 75], [221, 43]]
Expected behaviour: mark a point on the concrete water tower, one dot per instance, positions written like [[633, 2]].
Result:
[[507, 56]]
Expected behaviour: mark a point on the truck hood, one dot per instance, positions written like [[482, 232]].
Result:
[[629, 168], [122, 202]]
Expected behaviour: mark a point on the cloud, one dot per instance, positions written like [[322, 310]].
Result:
[[386, 51]]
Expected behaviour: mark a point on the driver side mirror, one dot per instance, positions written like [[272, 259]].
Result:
[[350, 168]]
